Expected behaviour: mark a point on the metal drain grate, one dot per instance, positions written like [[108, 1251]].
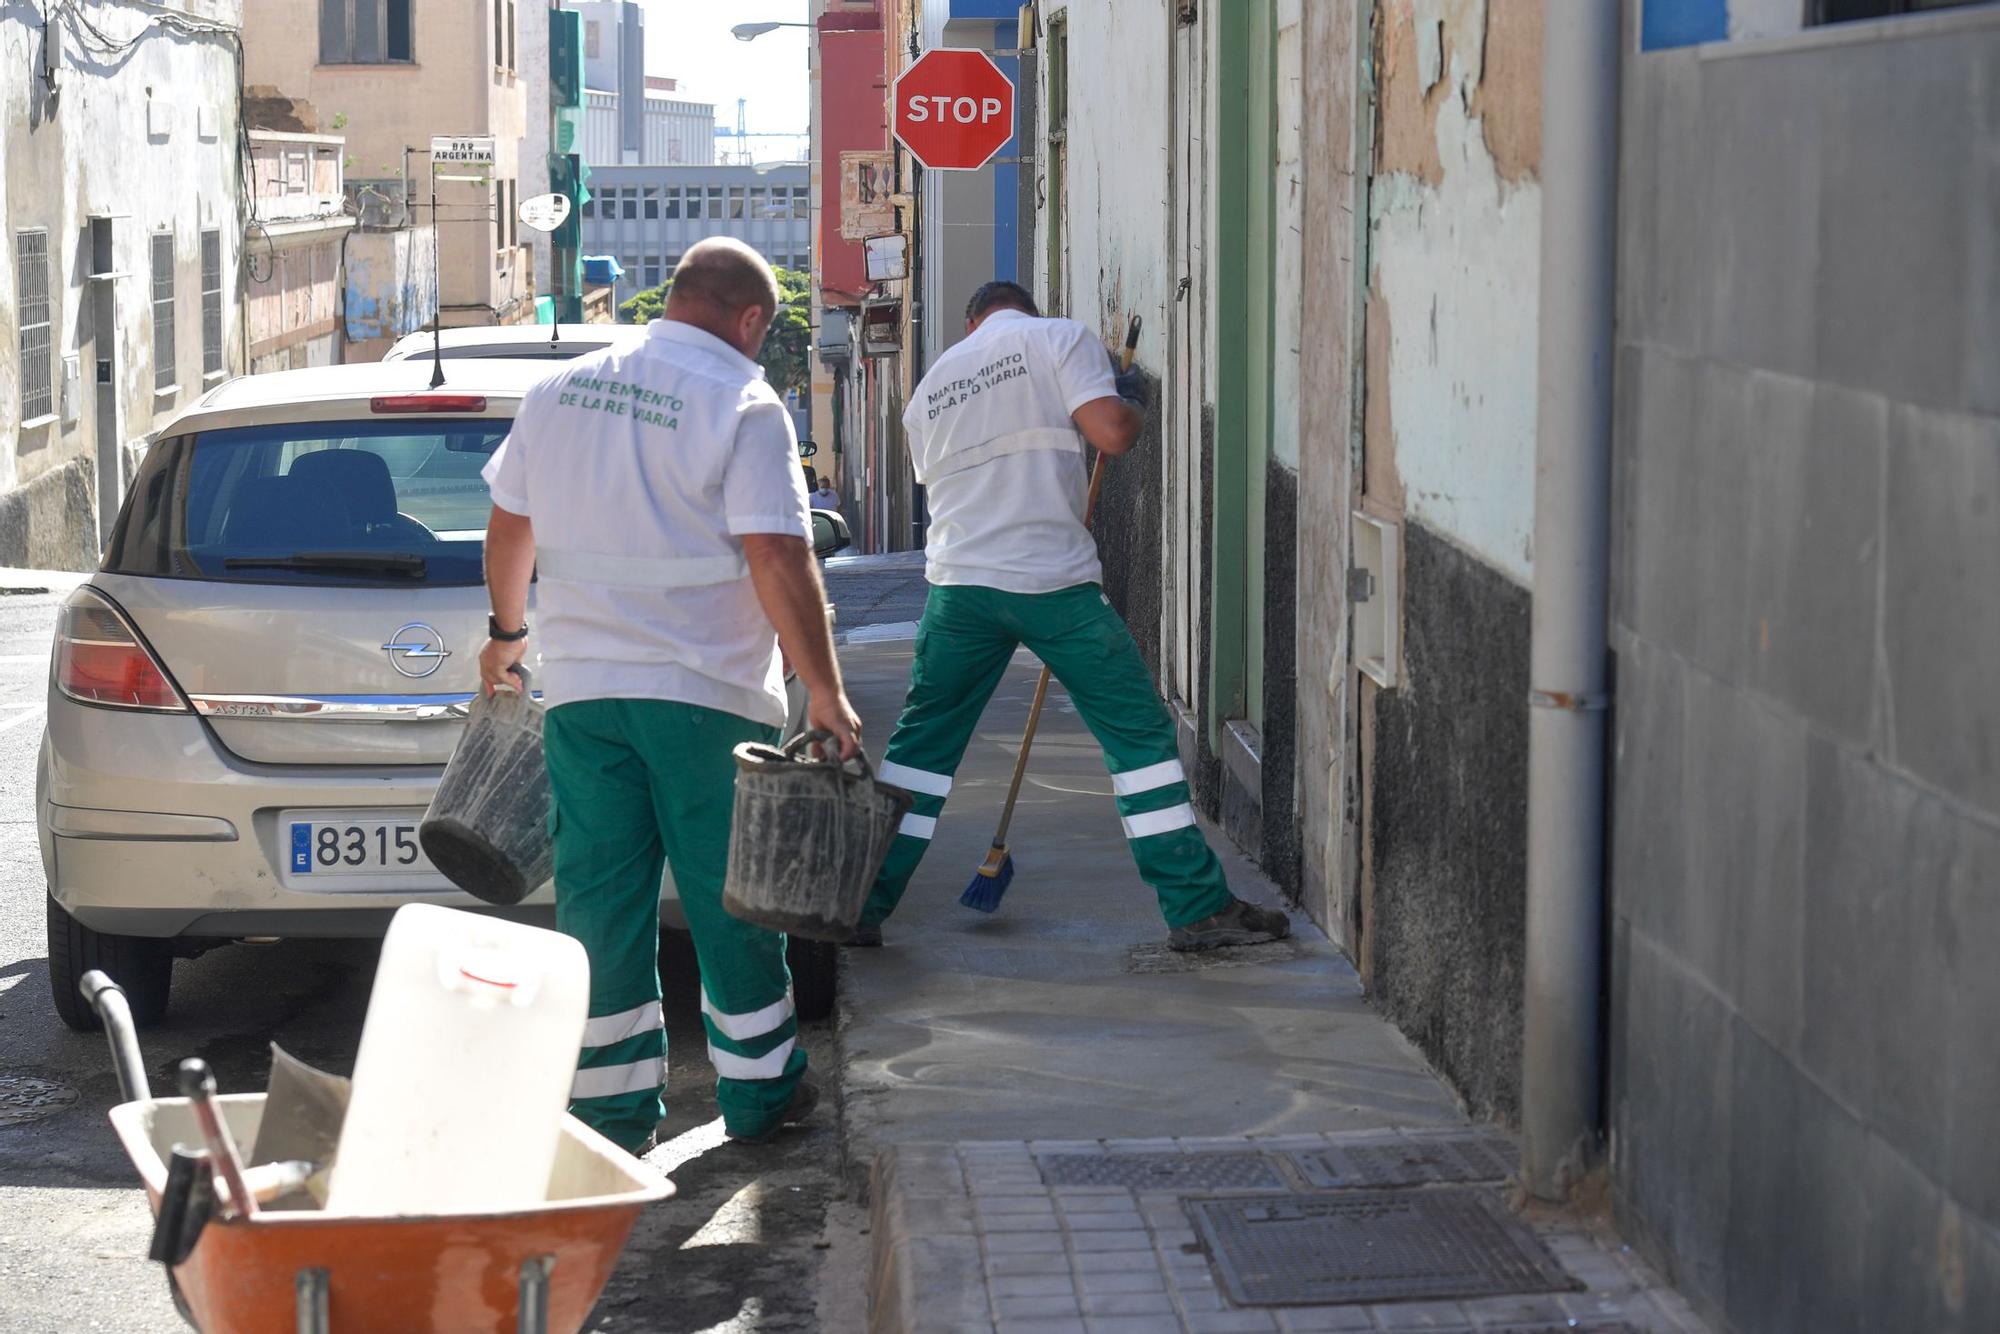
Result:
[[23, 1098], [1179, 1172], [1373, 1246], [1409, 1160]]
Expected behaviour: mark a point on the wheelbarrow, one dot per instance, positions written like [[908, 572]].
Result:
[[533, 1270]]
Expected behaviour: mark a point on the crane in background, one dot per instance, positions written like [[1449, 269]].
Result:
[[741, 134]]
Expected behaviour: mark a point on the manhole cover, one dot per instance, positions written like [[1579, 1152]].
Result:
[[1373, 1246], [1179, 1172], [23, 1098], [1409, 1160], [1157, 958]]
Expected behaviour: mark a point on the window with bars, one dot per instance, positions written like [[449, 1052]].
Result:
[[211, 303], [164, 373], [31, 285], [364, 32]]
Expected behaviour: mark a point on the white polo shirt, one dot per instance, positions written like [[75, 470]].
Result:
[[1003, 465], [642, 468]]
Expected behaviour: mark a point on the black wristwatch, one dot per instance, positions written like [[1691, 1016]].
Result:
[[493, 631]]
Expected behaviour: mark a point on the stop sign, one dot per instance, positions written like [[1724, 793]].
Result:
[[954, 108]]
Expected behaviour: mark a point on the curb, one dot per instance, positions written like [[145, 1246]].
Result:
[[925, 1273]]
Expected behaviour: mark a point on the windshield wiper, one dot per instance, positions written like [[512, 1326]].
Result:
[[408, 564]]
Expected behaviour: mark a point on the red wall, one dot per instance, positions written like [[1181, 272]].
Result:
[[853, 116]]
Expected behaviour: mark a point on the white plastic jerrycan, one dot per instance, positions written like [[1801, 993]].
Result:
[[465, 1067]]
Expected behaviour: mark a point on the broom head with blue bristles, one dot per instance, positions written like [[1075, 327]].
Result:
[[990, 881]]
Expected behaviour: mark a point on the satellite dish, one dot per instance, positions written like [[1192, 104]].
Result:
[[545, 213]]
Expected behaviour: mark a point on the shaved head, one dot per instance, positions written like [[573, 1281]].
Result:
[[724, 275]]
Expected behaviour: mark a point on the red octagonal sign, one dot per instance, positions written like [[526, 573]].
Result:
[[954, 108]]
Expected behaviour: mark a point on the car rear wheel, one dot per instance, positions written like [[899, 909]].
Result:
[[815, 969], [143, 967]]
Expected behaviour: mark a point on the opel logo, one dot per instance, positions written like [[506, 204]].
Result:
[[416, 650]]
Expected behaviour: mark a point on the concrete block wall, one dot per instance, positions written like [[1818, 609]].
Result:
[[1806, 814]]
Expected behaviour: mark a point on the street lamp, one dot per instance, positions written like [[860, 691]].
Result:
[[750, 32]]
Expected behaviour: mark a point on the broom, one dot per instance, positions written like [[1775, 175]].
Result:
[[990, 881]]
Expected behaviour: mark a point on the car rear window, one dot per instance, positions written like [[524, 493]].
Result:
[[351, 502]]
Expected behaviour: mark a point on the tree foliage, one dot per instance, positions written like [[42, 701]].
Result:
[[786, 350]]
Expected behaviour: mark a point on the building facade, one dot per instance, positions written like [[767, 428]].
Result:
[[390, 79], [869, 344], [299, 226], [675, 132], [647, 217], [124, 194]]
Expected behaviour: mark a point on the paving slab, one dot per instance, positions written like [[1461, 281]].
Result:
[[1054, 1018], [1151, 1272]]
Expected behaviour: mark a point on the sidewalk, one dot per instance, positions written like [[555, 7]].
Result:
[[1071, 1128]]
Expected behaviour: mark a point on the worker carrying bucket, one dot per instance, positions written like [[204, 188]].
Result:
[[655, 491], [994, 437]]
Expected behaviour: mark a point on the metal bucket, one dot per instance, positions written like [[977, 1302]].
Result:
[[487, 828], [807, 839]]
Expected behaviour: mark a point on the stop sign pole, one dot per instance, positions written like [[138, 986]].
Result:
[[954, 108]]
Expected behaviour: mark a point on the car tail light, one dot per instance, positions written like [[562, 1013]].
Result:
[[427, 403], [100, 659]]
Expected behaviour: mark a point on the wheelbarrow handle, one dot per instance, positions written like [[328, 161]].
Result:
[[198, 1086], [108, 999]]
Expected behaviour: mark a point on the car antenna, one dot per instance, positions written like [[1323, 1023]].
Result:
[[437, 290]]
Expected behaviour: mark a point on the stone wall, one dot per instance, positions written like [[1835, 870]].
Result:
[[1806, 827]]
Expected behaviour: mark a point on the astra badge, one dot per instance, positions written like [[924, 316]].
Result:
[[416, 650]]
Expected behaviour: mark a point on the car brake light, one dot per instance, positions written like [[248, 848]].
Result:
[[427, 403], [100, 660]]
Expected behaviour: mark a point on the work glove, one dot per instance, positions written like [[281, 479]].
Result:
[[1131, 383]]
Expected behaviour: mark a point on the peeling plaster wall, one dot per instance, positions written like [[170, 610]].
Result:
[[1448, 431], [1455, 249], [150, 135], [391, 289]]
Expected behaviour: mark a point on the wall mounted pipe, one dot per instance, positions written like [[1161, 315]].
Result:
[[1566, 780]]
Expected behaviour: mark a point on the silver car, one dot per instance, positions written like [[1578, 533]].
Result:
[[250, 703], [515, 342]]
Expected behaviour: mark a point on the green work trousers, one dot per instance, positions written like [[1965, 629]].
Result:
[[967, 636], [641, 784]]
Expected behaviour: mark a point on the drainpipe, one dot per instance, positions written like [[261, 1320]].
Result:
[[1560, 1114]]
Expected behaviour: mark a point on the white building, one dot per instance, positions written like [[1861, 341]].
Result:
[[647, 217], [675, 133], [123, 195]]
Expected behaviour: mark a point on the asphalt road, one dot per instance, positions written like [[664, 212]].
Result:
[[755, 1240]]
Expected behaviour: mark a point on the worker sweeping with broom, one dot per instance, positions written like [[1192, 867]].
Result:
[[996, 432]]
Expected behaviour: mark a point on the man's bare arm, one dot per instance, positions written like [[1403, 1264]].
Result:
[[1110, 424], [510, 566], [788, 586]]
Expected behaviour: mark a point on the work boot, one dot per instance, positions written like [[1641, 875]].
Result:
[[804, 1098], [866, 936], [1239, 924]]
